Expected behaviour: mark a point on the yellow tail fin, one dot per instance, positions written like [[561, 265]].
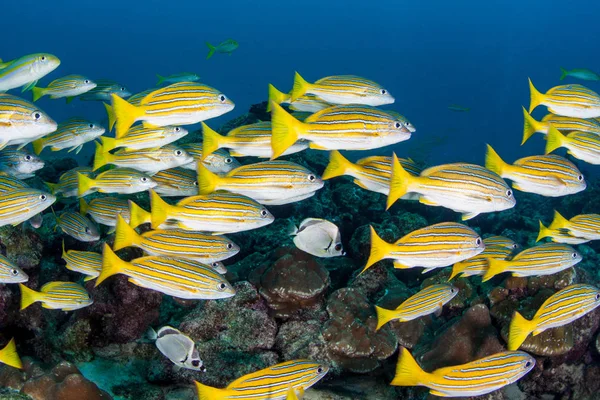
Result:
[[559, 222], [379, 249], [493, 162], [111, 116], [83, 207], [300, 87], [208, 181], [64, 251], [137, 215], [544, 232], [495, 267], [38, 145], [52, 186], [125, 235], [84, 183], [211, 141], [554, 139], [37, 93], [109, 143], [399, 182], [28, 296], [457, 268], [211, 393], [158, 209], [530, 126], [518, 330], [338, 165], [536, 98], [9, 355], [286, 130], [111, 264], [126, 114], [384, 316], [102, 157], [408, 372], [277, 97]]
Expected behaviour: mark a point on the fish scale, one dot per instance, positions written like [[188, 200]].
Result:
[[77, 226], [72, 133], [105, 210], [88, 263], [118, 180], [26, 69], [67, 86], [176, 182], [104, 89], [479, 264], [567, 100], [65, 296], [11, 273], [22, 122], [581, 145], [220, 161], [20, 205], [145, 160]]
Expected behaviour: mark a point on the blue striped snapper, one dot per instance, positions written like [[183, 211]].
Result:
[[118, 180], [479, 264], [548, 175], [10, 272], [563, 124], [138, 138], [67, 183], [105, 210], [306, 103], [558, 235], [71, 134], [21, 122], [77, 226], [466, 188], [20, 205], [176, 182], [343, 89], [219, 162], [9, 355], [268, 182], [432, 247], [370, 173], [145, 160], [579, 229], [584, 146], [252, 140], [567, 100], [66, 296], [204, 248], [219, 212], [68, 86], [88, 263], [271, 383], [134, 99], [563, 307], [545, 259], [182, 103], [345, 127], [8, 183], [403, 120], [427, 301], [501, 241], [475, 378], [178, 277], [19, 163], [104, 89], [26, 70], [179, 77]]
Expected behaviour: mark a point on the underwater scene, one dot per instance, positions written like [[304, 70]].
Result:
[[322, 200]]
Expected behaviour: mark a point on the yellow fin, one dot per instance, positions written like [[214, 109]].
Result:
[[493, 162], [83, 207], [111, 264], [530, 126], [495, 267], [37, 93], [277, 97], [408, 372], [137, 215], [559, 222], [208, 181], [28, 296], [399, 182], [125, 235], [338, 165], [211, 141], [38, 145], [84, 183], [158, 209], [315, 146], [89, 278], [518, 331], [101, 157], [536, 98], [285, 130], [126, 114], [9, 355], [554, 140], [384, 316], [210, 393], [108, 143], [111, 116], [379, 249], [300, 87]]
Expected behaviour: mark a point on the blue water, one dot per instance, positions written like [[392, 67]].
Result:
[[428, 54]]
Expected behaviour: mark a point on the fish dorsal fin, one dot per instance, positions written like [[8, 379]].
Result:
[[372, 159], [308, 222], [167, 330]]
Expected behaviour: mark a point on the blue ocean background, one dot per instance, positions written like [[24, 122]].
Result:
[[428, 54]]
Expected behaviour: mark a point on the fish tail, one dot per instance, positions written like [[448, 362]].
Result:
[[158, 209], [110, 111], [554, 140], [211, 50], [495, 267], [399, 182], [384, 316], [37, 93], [338, 165], [52, 186], [544, 232], [125, 235], [137, 215], [38, 145], [276, 96], [408, 372], [83, 206], [559, 222], [518, 330], [64, 251], [536, 98], [493, 162], [28, 296], [9, 355], [125, 113], [300, 87], [108, 143], [161, 79], [69, 99], [457, 268], [211, 141], [101, 157], [111, 264], [379, 249], [285, 130], [208, 181], [530, 126], [210, 393], [564, 73], [84, 183]]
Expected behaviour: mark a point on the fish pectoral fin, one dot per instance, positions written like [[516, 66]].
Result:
[[427, 202], [88, 278], [399, 265], [468, 215], [360, 184], [149, 126], [316, 146], [517, 186], [560, 181], [138, 283], [426, 270], [44, 305], [437, 393]]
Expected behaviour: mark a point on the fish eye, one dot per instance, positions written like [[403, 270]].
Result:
[[598, 296], [222, 98], [178, 152], [338, 247], [221, 286], [86, 81], [312, 178], [14, 272], [43, 197], [509, 193], [88, 230], [514, 246], [43, 58], [228, 161], [177, 129], [580, 178], [453, 290], [397, 125], [28, 158], [320, 370], [37, 115], [528, 364], [203, 369], [144, 179], [122, 89], [229, 246], [196, 363], [263, 213], [478, 241], [91, 126], [574, 255], [383, 91], [195, 183]]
